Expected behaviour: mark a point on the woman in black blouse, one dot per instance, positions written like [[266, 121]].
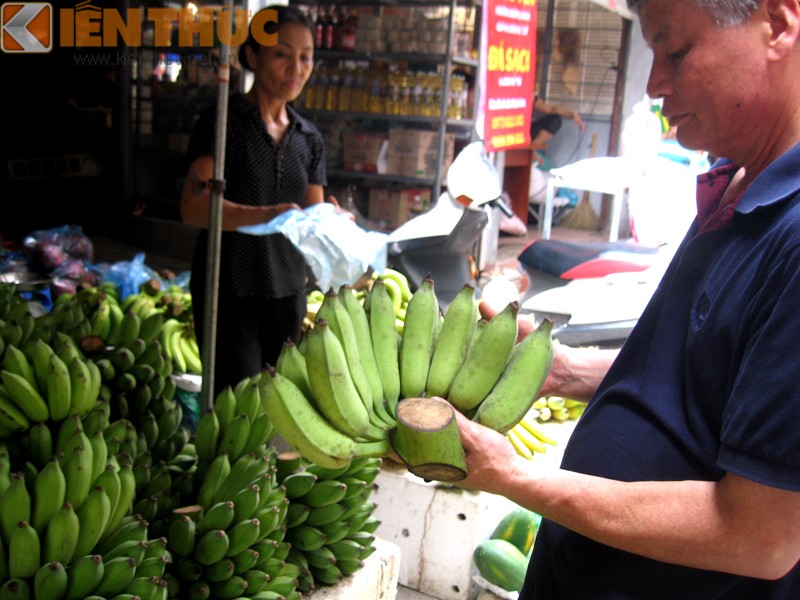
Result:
[[274, 162]]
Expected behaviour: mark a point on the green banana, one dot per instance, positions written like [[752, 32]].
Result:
[[152, 326], [245, 561], [419, 340], [16, 589], [24, 395], [217, 472], [302, 426], [211, 547], [337, 397], [61, 536], [248, 400], [321, 557], [299, 484], [14, 360], [324, 515], [233, 587], [24, 551], [11, 416], [324, 493], [83, 392], [361, 331], [292, 364], [518, 387], [58, 392], [50, 582], [181, 536], [93, 515], [49, 489], [246, 502], [127, 495], [219, 516], [40, 443], [118, 573], [191, 353], [486, 360], [261, 432], [15, 505], [306, 538], [207, 436], [235, 437], [225, 407], [385, 348], [115, 328], [242, 535], [100, 320], [256, 580], [335, 314], [129, 327], [132, 528], [78, 474], [453, 342], [83, 576]]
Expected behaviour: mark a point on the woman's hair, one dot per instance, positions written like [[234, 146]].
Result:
[[725, 12], [285, 14]]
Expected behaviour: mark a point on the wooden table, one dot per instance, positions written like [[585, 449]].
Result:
[[517, 177]]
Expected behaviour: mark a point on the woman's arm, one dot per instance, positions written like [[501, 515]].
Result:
[[552, 109], [196, 199], [734, 525]]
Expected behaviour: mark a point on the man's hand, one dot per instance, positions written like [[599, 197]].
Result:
[[340, 210]]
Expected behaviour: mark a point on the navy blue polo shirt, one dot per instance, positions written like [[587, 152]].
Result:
[[706, 384]]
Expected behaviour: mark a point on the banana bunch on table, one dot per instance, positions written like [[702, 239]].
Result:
[[333, 396], [527, 436]]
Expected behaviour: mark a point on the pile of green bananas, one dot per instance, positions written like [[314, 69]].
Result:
[[230, 542], [333, 396], [330, 520]]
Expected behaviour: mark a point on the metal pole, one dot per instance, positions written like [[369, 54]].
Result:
[[215, 224]]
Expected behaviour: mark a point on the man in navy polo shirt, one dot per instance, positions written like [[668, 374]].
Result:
[[682, 478]]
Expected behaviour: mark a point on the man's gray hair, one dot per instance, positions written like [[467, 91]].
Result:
[[725, 12]]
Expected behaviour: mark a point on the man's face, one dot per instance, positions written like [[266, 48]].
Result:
[[710, 78]]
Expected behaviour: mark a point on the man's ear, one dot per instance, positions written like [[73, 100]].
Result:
[[784, 27]]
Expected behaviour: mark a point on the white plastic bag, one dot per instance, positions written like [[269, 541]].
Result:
[[337, 250]]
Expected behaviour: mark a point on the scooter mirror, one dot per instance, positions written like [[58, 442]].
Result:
[[472, 180]]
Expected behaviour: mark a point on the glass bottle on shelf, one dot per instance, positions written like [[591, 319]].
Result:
[[319, 27], [348, 21], [330, 28], [359, 102], [332, 90], [344, 100], [320, 90]]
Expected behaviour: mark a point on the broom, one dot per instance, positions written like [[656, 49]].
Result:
[[583, 215]]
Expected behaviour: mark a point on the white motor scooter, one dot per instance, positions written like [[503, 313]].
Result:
[[439, 243]]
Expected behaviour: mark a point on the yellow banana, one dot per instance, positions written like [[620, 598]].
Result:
[[518, 444], [419, 340], [453, 342], [521, 381], [485, 360], [530, 424]]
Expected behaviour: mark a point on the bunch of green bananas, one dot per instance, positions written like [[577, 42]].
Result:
[[231, 543], [66, 502], [330, 520], [137, 369], [42, 382], [333, 396]]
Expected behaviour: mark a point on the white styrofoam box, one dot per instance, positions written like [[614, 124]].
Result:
[[437, 528], [376, 580]]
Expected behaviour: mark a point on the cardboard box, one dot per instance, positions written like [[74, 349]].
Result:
[[388, 208], [413, 153], [363, 152]]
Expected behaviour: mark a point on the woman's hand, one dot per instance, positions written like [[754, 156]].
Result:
[[340, 210]]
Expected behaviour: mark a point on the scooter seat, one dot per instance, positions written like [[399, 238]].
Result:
[[578, 260]]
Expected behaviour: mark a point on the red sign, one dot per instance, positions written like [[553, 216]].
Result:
[[508, 61]]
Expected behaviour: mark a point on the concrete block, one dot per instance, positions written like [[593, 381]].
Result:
[[377, 580], [437, 528]]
